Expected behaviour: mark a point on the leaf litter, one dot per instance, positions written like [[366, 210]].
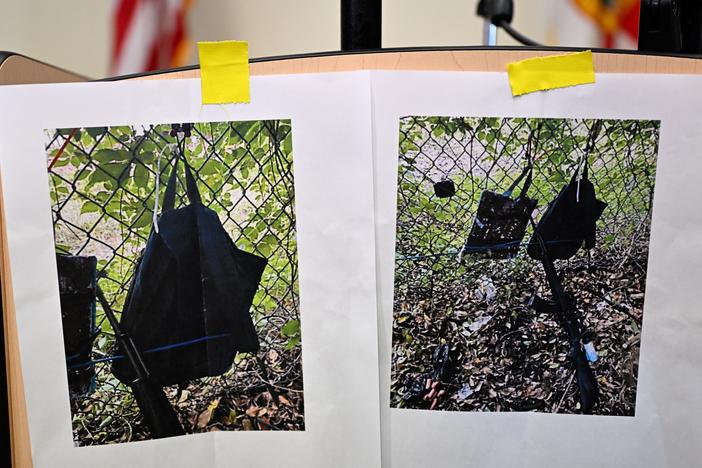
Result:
[[507, 357]]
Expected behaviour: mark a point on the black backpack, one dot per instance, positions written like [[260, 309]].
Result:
[[187, 309], [569, 221]]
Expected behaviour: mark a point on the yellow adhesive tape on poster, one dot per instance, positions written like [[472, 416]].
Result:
[[555, 71], [224, 72]]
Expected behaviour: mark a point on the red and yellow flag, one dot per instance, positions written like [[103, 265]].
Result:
[[613, 18]]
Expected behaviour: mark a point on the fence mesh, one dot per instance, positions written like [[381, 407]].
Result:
[[104, 185], [439, 300]]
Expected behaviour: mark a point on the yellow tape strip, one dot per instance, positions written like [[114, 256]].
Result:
[[224, 70], [555, 71]]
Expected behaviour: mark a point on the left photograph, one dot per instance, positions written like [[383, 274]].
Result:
[[176, 257]]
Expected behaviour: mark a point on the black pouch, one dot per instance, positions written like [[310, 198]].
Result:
[[77, 280], [187, 309], [501, 221], [444, 188]]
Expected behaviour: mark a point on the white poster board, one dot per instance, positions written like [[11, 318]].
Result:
[[664, 430], [330, 119]]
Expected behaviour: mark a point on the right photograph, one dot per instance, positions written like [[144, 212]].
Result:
[[520, 263]]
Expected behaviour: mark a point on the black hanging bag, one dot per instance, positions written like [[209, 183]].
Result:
[[570, 219], [501, 221], [187, 309]]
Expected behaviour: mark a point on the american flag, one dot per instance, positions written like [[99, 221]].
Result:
[[149, 35]]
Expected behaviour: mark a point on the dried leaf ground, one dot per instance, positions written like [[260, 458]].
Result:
[[242, 399], [505, 356]]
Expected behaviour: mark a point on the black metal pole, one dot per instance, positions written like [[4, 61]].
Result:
[[360, 24]]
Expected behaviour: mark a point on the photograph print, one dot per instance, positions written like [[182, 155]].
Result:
[[176, 258], [520, 263]]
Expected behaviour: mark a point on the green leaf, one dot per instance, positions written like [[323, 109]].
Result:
[[63, 160], [147, 152], [143, 220], [291, 328], [63, 248], [122, 131], [108, 155], [141, 176], [292, 343], [76, 162], [118, 171], [287, 144], [209, 168], [96, 131], [89, 207]]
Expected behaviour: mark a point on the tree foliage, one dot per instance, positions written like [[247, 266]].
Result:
[[489, 153]]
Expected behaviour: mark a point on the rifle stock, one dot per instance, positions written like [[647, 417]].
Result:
[[587, 384], [154, 406], [563, 309], [156, 409]]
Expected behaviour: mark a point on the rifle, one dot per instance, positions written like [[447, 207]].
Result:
[[153, 404], [562, 308]]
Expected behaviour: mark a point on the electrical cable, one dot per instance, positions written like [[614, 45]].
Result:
[[516, 35]]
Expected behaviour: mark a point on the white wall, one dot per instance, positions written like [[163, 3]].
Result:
[[72, 34], [75, 34], [272, 27]]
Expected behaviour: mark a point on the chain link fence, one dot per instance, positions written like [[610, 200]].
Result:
[[104, 183], [478, 154], [489, 154]]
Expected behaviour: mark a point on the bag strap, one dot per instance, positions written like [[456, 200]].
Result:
[[528, 169], [584, 163], [169, 195], [527, 183], [526, 172], [190, 184]]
